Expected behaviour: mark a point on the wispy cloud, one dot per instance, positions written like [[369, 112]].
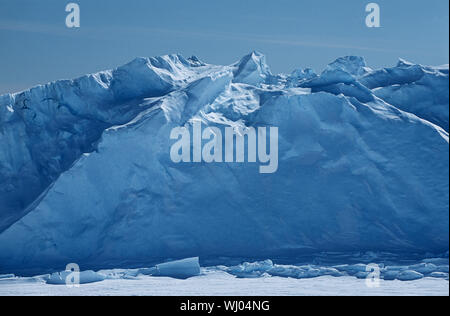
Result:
[[111, 33], [214, 35]]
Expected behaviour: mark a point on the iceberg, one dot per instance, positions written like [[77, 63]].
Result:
[[86, 174]]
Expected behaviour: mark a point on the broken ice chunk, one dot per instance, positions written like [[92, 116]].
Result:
[[180, 269], [409, 275], [73, 278]]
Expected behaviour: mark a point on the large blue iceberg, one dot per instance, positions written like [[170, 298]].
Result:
[[86, 174]]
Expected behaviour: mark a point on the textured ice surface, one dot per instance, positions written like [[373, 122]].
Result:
[[86, 176], [219, 283], [417, 89]]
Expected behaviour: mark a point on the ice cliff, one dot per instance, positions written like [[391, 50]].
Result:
[[86, 176]]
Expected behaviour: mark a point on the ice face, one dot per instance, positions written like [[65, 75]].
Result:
[[87, 177], [46, 129]]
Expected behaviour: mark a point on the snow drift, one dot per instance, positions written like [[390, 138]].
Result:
[[86, 176]]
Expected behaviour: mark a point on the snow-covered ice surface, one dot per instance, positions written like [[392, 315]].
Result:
[[185, 277], [219, 283], [86, 174]]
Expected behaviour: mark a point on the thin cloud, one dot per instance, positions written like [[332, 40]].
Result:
[[249, 38], [110, 32]]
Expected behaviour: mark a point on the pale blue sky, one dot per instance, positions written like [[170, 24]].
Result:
[[36, 47]]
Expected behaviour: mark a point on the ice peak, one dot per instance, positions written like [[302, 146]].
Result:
[[194, 61], [254, 57], [353, 65], [404, 63], [252, 69]]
